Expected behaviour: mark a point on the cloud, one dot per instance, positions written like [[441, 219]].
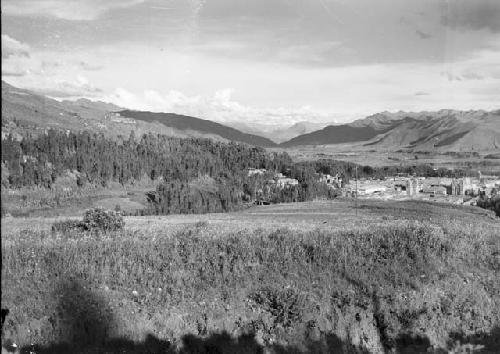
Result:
[[476, 15], [52, 73], [218, 107], [56, 87], [472, 75], [272, 94], [481, 65], [423, 35], [16, 58], [90, 67], [75, 10], [12, 47]]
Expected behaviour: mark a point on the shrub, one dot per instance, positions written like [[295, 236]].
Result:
[[81, 181], [490, 204], [101, 219], [286, 305]]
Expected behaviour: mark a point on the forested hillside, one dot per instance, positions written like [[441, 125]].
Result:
[[194, 175]]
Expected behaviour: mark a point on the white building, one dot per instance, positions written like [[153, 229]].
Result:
[[284, 181], [256, 171], [371, 189]]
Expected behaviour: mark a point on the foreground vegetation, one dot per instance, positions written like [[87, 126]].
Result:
[[417, 277]]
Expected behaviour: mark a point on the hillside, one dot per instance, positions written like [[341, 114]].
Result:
[[333, 134], [31, 111], [187, 123], [26, 111], [443, 130]]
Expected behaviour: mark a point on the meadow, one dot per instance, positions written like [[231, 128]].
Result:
[[298, 277], [364, 155]]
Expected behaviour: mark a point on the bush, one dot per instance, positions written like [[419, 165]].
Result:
[[101, 219], [286, 305], [490, 204], [492, 156], [95, 219]]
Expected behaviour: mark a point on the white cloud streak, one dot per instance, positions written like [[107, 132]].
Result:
[[12, 47], [51, 73], [74, 10]]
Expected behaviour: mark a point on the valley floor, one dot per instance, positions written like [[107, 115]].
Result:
[[363, 155]]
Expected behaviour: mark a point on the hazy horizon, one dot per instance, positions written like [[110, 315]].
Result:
[[273, 62]]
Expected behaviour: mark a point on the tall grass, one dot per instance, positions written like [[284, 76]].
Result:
[[406, 276]]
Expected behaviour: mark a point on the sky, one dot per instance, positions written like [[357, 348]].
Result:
[[258, 61]]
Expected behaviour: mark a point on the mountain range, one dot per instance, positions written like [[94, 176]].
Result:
[[444, 130], [278, 133], [24, 110]]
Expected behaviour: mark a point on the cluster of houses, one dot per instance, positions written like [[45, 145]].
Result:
[[403, 187], [331, 181], [456, 190], [279, 179], [282, 181], [117, 118]]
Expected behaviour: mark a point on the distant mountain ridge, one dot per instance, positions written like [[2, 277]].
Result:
[[443, 130], [333, 134], [24, 110], [182, 122], [277, 132], [479, 130]]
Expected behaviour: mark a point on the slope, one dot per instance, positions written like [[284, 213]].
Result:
[[187, 123], [333, 134], [443, 130], [24, 111]]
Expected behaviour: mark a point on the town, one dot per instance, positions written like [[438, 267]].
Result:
[[465, 190]]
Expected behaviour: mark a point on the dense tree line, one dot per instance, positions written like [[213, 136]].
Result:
[[198, 175], [39, 160], [347, 170]]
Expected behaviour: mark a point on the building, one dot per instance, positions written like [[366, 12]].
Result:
[[412, 187], [117, 118], [434, 190], [256, 171], [282, 181], [285, 181], [454, 187], [333, 181], [465, 185], [371, 189]]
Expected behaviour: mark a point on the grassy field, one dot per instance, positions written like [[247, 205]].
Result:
[[305, 277], [44, 202], [378, 158]]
